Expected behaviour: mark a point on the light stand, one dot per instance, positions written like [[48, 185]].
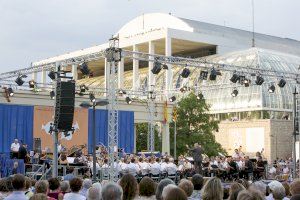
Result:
[[93, 105]]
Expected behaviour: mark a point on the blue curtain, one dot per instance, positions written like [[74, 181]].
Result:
[[16, 121], [126, 129]]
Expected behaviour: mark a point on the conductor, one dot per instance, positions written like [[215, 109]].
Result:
[[197, 156]]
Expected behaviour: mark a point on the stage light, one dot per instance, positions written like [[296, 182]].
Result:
[[121, 92], [247, 82], [234, 93], [185, 73], [10, 92], [172, 99], [84, 69], [242, 79], [51, 75], [128, 100], [19, 81], [259, 80], [156, 68], [234, 78], [271, 89], [92, 98], [203, 75], [83, 88], [165, 66], [52, 94], [281, 83], [200, 96], [184, 89], [32, 83], [213, 74]]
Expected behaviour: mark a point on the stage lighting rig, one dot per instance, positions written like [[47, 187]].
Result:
[[52, 94], [185, 73], [92, 97], [281, 83], [203, 75], [200, 96], [32, 84], [235, 92], [20, 80], [52, 75], [10, 92], [259, 80], [156, 67], [271, 88], [84, 68], [235, 77], [128, 100], [172, 99]]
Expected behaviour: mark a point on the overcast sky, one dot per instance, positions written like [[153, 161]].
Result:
[[36, 29]]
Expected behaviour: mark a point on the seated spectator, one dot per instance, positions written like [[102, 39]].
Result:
[[4, 192], [87, 183], [42, 187], [18, 183], [64, 187], [295, 197], [147, 189], [162, 184], [28, 191], [39, 196], [129, 186], [75, 185], [250, 195], [111, 191], [175, 193], [166, 190], [54, 189], [93, 193], [260, 187], [235, 189], [287, 189], [70, 174], [197, 181], [212, 190], [187, 186], [277, 191], [295, 187]]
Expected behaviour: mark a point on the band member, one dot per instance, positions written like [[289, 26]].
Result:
[[14, 148], [23, 153], [197, 156]]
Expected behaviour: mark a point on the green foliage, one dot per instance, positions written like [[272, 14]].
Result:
[[194, 124], [141, 138]]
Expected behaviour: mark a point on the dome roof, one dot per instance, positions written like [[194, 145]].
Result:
[[152, 21]]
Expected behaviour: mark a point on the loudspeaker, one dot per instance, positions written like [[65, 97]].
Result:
[[37, 145], [64, 105]]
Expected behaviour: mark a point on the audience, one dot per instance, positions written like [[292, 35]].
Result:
[[64, 187], [147, 189], [28, 191], [277, 191], [250, 195], [93, 193], [235, 189], [18, 184], [75, 185], [295, 187], [129, 185], [87, 183], [111, 191], [39, 196], [213, 190], [162, 184], [175, 193], [197, 181], [187, 186], [4, 192], [54, 189]]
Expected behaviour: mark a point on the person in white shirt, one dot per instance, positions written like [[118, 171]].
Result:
[[171, 168], [132, 168], [14, 148], [144, 167], [155, 168], [75, 185]]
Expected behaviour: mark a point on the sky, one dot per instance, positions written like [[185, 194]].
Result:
[[32, 30]]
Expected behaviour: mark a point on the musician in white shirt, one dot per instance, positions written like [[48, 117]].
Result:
[[171, 168], [144, 166], [155, 168], [14, 148], [133, 168]]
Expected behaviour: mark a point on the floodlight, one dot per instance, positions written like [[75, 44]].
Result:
[[51, 75], [213, 74], [172, 99], [185, 73], [10, 92], [84, 68], [234, 78], [128, 100], [52, 94], [32, 83], [259, 80], [92, 98], [19, 81], [281, 83], [234, 93], [271, 89]]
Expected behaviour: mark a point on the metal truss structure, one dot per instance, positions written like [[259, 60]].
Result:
[[112, 58], [151, 123]]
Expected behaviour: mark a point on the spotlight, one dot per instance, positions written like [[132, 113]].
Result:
[[259, 80], [234, 78], [213, 74], [242, 79], [92, 98], [32, 84], [185, 73], [84, 69], [10, 92], [281, 83], [184, 89], [121, 92], [51, 75], [156, 68], [271, 89], [200, 96], [128, 100], [247, 82], [172, 99], [83, 88], [234, 93], [203, 75], [19, 81], [52, 94]]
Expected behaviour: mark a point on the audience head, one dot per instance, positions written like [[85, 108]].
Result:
[[65, 186], [54, 184], [147, 187], [250, 195], [295, 187], [295, 197], [87, 183], [175, 193], [111, 191], [287, 188], [75, 184], [41, 187], [39, 196], [162, 184], [277, 190], [213, 190], [129, 185], [166, 190], [197, 181], [3, 185], [18, 182], [27, 183], [235, 188], [187, 186], [94, 193], [259, 186]]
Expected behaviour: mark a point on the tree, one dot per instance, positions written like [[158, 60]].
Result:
[[142, 137], [194, 124]]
